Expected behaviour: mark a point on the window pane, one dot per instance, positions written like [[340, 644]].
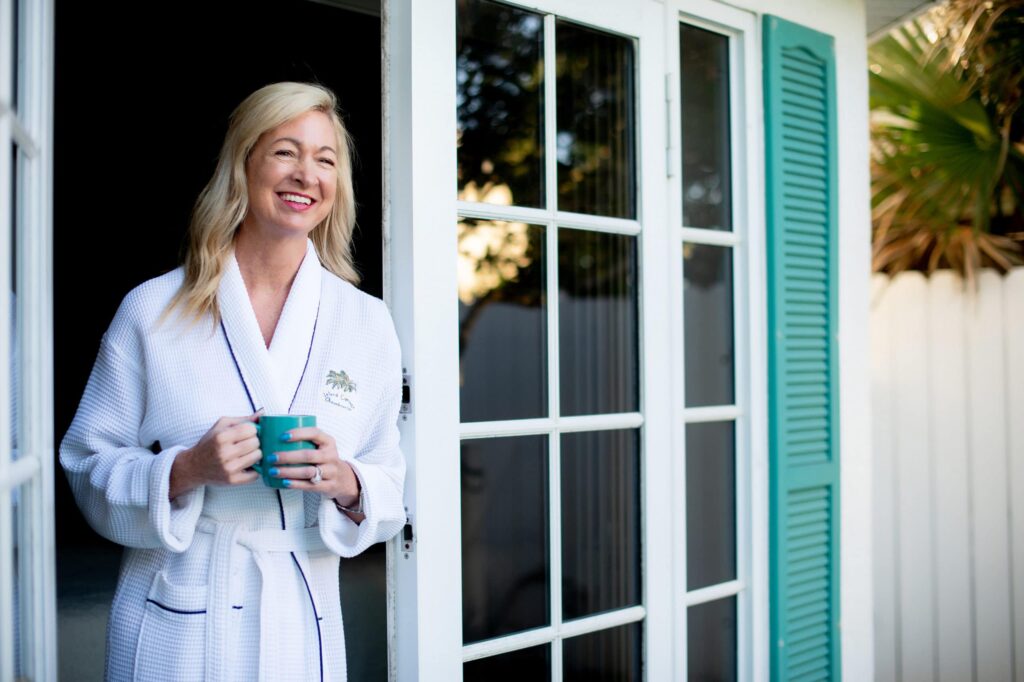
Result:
[[600, 521], [15, 347], [502, 321], [710, 504], [500, 87], [597, 312], [16, 54], [604, 656], [596, 157], [704, 71], [518, 666], [708, 325], [711, 641], [505, 562], [23, 582]]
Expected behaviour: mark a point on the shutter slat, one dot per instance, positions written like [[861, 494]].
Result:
[[800, 130]]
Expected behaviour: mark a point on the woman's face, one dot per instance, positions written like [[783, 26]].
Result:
[[292, 176]]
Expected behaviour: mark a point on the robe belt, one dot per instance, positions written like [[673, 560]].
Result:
[[218, 593]]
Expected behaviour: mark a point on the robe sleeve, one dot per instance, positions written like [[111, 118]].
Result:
[[379, 466], [120, 485]]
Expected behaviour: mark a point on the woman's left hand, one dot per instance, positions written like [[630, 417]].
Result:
[[338, 480]]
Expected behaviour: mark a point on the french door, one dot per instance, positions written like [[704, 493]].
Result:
[[531, 288]]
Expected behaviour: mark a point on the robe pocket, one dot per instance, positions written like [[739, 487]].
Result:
[[172, 639]]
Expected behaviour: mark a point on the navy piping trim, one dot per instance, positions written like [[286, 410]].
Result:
[[238, 368], [319, 638], [309, 354], [165, 607]]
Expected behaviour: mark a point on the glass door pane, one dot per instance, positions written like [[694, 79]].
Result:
[[549, 333]]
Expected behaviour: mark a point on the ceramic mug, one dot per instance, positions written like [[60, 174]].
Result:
[[269, 429]]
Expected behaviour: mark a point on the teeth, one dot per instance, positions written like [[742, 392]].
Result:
[[297, 199]]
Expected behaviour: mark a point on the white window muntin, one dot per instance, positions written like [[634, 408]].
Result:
[[748, 414]]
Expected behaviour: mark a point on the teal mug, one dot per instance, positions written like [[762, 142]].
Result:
[[269, 429]]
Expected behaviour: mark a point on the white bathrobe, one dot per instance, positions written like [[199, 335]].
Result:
[[235, 582]]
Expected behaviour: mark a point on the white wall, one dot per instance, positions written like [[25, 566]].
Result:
[[947, 385]]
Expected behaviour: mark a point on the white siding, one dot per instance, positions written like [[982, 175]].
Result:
[[947, 381]]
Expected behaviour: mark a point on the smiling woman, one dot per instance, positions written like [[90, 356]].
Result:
[[226, 577]]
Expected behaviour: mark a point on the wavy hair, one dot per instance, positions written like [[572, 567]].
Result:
[[224, 202]]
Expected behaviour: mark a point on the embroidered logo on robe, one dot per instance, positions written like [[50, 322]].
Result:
[[339, 384]]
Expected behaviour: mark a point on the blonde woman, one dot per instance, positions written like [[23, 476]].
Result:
[[224, 577]]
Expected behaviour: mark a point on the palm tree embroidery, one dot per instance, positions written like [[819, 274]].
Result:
[[340, 380]]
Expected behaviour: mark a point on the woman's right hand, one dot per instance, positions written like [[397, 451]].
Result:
[[223, 456]]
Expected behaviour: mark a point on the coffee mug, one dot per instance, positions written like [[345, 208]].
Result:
[[269, 429]]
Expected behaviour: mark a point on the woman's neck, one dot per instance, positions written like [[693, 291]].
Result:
[[268, 265]]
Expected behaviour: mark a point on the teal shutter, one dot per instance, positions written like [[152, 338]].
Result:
[[800, 150]]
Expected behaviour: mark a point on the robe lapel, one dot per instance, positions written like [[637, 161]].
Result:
[[293, 337], [272, 375]]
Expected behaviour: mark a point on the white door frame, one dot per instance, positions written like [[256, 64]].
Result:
[[28, 479]]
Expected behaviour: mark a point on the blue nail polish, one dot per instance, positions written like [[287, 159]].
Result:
[[273, 471], [286, 436], [286, 483], [271, 459]]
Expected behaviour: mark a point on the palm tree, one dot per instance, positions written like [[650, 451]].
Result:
[[948, 140]]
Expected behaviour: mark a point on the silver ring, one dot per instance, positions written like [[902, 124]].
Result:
[[318, 476]]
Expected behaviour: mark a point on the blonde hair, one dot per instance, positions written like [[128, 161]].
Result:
[[224, 202]]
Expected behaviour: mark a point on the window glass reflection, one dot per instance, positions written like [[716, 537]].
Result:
[[597, 313], [604, 656], [533, 664], [502, 321], [706, 177], [711, 641], [15, 344], [710, 504], [499, 95], [600, 521], [505, 558], [708, 325], [596, 155]]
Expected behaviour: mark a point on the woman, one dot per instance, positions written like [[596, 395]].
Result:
[[225, 577]]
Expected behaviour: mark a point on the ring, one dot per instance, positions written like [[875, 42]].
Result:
[[318, 476]]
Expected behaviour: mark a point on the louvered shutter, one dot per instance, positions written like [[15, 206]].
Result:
[[800, 136]]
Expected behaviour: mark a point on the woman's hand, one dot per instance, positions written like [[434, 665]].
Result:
[[223, 456], [338, 479]]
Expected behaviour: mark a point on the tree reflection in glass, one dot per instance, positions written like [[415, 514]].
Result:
[[596, 157], [502, 320], [499, 95]]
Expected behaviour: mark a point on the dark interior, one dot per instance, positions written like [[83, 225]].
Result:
[[143, 94]]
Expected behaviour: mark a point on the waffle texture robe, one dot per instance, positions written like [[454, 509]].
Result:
[[235, 582]]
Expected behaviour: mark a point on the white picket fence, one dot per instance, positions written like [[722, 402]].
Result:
[[947, 389]]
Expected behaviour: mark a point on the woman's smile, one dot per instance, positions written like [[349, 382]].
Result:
[[297, 202]]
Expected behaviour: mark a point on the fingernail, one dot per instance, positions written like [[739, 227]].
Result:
[[271, 459], [286, 436], [286, 483], [273, 471]]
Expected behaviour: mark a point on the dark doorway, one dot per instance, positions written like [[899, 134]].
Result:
[[143, 94]]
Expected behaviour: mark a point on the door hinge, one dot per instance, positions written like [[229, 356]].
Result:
[[408, 538], [406, 395]]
